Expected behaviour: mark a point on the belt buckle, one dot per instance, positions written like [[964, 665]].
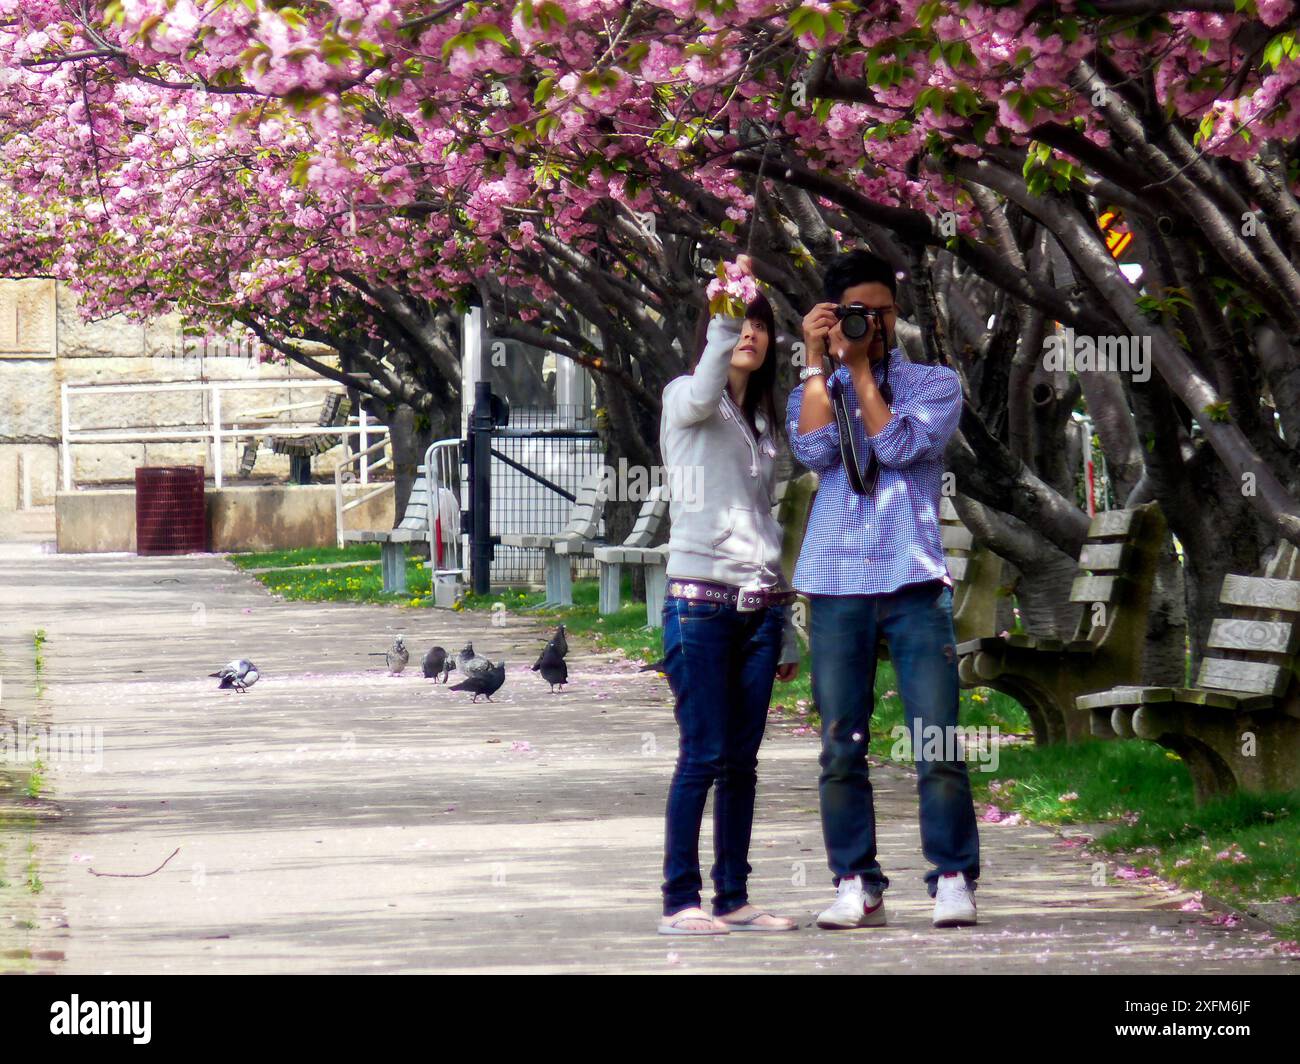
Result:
[[741, 607]]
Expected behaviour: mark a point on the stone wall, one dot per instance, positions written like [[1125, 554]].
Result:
[[269, 517], [44, 343]]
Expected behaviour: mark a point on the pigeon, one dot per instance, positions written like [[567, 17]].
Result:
[[483, 681], [396, 656], [559, 642], [436, 661], [239, 675], [470, 663], [551, 664]]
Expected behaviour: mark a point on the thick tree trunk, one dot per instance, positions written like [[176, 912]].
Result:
[[1165, 657], [620, 434], [1043, 595], [410, 435]]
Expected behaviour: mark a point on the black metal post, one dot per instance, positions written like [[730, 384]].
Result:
[[481, 489]]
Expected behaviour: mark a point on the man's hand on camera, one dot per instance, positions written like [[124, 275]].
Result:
[[817, 325], [854, 354], [787, 672]]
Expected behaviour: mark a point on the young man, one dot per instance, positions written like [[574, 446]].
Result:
[[872, 567]]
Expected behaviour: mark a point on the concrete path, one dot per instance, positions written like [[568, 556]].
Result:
[[336, 819]]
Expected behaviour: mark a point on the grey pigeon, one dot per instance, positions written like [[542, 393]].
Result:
[[470, 663], [435, 662], [552, 667], [483, 682], [396, 656], [239, 675]]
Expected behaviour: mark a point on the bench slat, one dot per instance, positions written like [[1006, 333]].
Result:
[[1271, 637], [1260, 593], [957, 566], [1102, 557], [1253, 677], [957, 537], [1095, 588], [1111, 524], [947, 511]]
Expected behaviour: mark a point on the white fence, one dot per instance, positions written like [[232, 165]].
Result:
[[213, 429]]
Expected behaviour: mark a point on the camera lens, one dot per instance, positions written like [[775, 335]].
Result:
[[853, 321]]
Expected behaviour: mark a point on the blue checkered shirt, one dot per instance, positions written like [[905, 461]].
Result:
[[874, 544]]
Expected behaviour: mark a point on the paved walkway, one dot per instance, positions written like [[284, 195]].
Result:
[[336, 819]]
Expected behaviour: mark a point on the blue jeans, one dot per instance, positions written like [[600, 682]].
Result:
[[720, 664], [916, 621]]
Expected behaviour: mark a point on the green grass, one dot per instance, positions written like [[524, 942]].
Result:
[[285, 559], [355, 583], [38, 644], [1138, 799], [20, 877]]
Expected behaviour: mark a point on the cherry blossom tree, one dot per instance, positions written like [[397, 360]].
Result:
[[349, 171]]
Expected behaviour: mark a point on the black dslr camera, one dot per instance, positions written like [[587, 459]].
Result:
[[853, 318]]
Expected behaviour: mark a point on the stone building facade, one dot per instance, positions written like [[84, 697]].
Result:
[[44, 344]]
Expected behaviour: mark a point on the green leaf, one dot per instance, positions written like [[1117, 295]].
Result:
[[298, 174], [489, 32], [808, 20], [456, 42]]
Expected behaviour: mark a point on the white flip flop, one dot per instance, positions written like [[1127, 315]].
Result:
[[673, 928], [748, 923]]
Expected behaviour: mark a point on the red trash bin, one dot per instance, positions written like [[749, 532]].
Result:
[[170, 513]]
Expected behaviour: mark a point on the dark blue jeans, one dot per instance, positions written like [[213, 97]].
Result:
[[720, 664], [916, 621]]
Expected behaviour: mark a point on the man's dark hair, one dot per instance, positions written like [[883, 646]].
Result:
[[857, 267]]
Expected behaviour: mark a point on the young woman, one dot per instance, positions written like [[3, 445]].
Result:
[[726, 627]]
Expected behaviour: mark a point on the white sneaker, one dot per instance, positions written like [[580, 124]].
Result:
[[854, 906], [953, 904]]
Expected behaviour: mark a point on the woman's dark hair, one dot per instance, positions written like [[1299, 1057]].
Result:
[[857, 267], [760, 390]]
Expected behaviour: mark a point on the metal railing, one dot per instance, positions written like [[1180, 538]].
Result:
[[343, 474], [213, 429], [442, 465]]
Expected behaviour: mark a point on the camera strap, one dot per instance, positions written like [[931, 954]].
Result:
[[861, 481], [848, 443]]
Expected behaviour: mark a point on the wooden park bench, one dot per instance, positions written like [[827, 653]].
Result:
[[334, 413], [1117, 568], [976, 576], [576, 539], [413, 528], [636, 550], [1238, 727]]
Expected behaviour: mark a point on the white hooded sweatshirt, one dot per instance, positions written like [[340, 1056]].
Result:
[[721, 480]]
